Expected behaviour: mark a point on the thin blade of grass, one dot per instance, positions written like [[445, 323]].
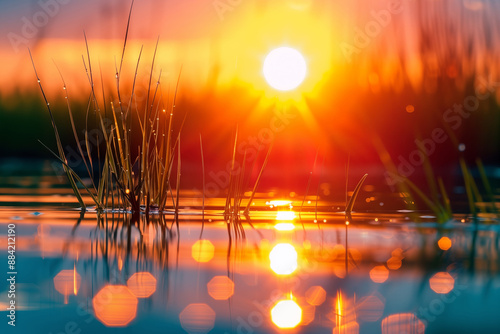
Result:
[[350, 205], [256, 185]]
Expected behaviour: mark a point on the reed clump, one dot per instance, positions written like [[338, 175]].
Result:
[[131, 175]]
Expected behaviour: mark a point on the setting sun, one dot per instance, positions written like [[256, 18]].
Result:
[[284, 68]]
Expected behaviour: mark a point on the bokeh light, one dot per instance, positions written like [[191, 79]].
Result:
[[220, 288], [402, 323], [442, 282], [142, 284], [67, 282], [286, 314], [197, 318], [202, 251], [115, 305], [379, 274], [315, 295], [444, 243], [283, 259]]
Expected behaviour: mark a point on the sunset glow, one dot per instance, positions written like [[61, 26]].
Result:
[[268, 166]]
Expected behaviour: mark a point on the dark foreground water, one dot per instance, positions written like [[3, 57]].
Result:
[[273, 273]]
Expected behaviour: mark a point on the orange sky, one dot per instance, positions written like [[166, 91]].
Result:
[[218, 42]]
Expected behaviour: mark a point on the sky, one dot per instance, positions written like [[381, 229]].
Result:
[[232, 37], [373, 59]]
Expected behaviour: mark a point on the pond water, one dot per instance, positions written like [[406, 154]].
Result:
[[276, 271]]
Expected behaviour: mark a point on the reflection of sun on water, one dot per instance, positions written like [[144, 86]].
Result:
[[279, 202], [283, 259], [284, 227], [285, 215], [286, 314], [345, 316]]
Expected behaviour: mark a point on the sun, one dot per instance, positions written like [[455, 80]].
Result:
[[284, 68]]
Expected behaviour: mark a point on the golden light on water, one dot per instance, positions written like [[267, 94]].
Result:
[[142, 284], [344, 316], [283, 259], [115, 305], [202, 251], [220, 288], [285, 215], [442, 282], [284, 227], [286, 314], [349, 328], [279, 203], [284, 68], [339, 310], [76, 285]]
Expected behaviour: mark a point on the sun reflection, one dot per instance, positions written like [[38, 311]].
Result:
[[142, 284], [284, 227], [442, 282], [402, 323], [279, 203], [220, 287], [197, 318], [285, 215], [286, 314], [283, 259], [115, 305], [202, 251], [345, 316]]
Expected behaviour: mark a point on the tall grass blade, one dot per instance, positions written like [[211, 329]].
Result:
[[350, 205], [256, 185], [61, 156]]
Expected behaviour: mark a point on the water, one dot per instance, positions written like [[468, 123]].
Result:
[[90, 274]]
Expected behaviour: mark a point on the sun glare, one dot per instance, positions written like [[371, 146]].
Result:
[[284, 68]]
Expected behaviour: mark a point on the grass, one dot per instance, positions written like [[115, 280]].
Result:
[[438, 200], [136, 177]]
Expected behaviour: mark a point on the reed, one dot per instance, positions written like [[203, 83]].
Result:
[[137, 176]]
